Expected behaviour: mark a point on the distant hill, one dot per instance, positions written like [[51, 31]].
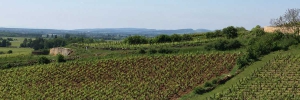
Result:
[[103, 31], [203, 30]]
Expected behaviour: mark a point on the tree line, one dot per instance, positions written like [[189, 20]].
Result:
[[5, 42], [163, 38], [41, 43]]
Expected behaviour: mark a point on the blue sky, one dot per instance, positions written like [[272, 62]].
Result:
[[153, 14]]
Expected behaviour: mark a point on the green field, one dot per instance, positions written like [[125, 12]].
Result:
[[17, 41], [16, 51]]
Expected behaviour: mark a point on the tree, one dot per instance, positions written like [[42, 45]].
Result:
[[43, 60], [60, 58], [9, 51], [136, 40], [230, 32], [187, 37], [163, 38], [67, 36], [176, 38], [24, 44], [289, 22], [5, 43], [258, 31]]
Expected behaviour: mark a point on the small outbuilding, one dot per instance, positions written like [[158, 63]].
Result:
[[60, 50]]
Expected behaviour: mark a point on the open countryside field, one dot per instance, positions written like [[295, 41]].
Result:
[[16, 51], [17, 41]]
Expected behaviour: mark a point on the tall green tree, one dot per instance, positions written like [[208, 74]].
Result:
[[176, 38], [163, 38], [5, 43], [258, 31], [187, 37], [230, 32], [136, 40]]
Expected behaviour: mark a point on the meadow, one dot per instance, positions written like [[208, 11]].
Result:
[[16, 51], [16, 41]]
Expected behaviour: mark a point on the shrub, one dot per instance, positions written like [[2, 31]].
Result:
[[217, 33], [167, 51], [286, 42], [210, 35], [152, 51], [136, 40], [162, 38], [208, 84], [223, 45], [45, 51], [242, 61], [142, 51], [199, 90], [9, 51], [1, 52], [230, 32], [60, 58], [268, 43], [258, 31], [215, 81], [233, 44], [187, 37], [43, 60], [176, 38], [6, 66]]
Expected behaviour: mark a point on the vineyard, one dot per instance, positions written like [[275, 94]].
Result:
[[118, 45], [152, 77], [277, 79]]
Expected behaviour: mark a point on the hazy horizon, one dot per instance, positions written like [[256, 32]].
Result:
[[151, 14]]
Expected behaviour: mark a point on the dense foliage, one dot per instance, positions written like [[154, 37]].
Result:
[[43, 60], [265, 44], [224, 44], [9, 51], [217, 33], [5, 43], [230, 32], [136, 40], [257, 31], [163, 38], [41, 43], [60, 58]]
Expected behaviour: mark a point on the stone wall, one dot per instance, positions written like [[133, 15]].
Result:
[[273, 29], [60, 50]]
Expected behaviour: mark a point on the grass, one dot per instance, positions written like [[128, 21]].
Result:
[[247, 72], [16, 51]]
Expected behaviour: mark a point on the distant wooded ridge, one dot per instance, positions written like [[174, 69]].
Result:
[[103, 30]]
